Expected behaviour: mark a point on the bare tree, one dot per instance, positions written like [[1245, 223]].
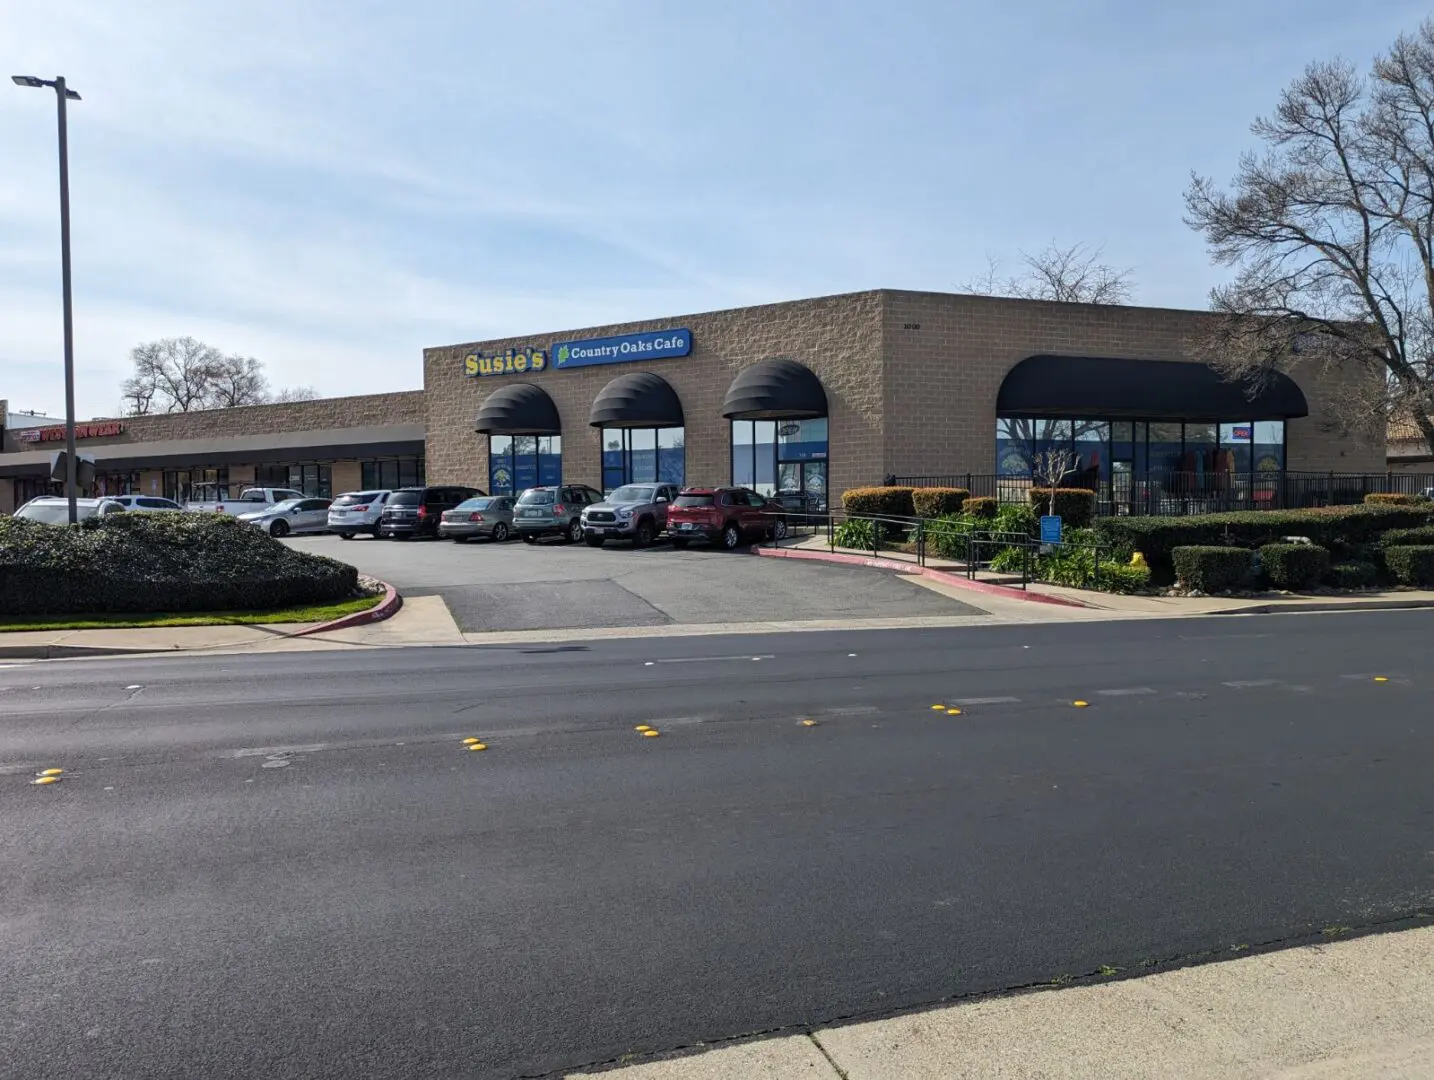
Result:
[[1331, 234], [1073, 274], [184, 375], [294, 393], [1049, 468], [237, 380]]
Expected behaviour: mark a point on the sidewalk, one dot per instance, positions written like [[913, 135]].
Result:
[[1353, 1010], [953, 573]]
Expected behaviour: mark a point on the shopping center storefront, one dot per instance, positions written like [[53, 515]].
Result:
[[798, 400]]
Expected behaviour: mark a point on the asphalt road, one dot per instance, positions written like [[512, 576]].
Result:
[[288, 865], [553, 585]]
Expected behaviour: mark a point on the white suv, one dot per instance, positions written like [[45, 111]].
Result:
[[357, 512], [146, 503]]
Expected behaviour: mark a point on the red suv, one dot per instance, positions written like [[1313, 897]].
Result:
[[725, 516]]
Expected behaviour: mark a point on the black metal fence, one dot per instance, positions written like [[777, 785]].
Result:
[[1178, 493]]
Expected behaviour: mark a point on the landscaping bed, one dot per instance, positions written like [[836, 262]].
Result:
[[140, 564]]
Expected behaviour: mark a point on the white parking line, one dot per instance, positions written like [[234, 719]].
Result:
[[1130, 691], [1250, 684], [987, 700], [711, 659]]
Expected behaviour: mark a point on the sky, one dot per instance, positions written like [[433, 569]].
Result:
[[333, 187]]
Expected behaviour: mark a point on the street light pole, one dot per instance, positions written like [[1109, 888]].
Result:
[[63, 95]]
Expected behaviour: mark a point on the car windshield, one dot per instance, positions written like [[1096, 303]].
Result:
[[475, 504], [357, 499], [632, 493], [538, 496], [283, 507], [694, 500], [48, 513], [405, 498]]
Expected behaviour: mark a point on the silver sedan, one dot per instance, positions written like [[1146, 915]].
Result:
[[291, 516], [487, 515]]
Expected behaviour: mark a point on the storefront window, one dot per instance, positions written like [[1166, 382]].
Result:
[[387, 475], [1269, 445], [518, 462], [1013, 447], [782, 458], [1236, 444], [1092, 454], [1167, 443], [117, 484], [642, 456], [180, 486]]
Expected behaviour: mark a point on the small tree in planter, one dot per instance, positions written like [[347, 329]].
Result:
[[1049, 468]]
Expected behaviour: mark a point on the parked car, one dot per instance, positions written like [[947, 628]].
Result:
[[636, 512], [146, 503], [554, 511], [291, 516], [216, 498], [55, 510], [726, 515], [356, 512], [487, 515], [412, 512]]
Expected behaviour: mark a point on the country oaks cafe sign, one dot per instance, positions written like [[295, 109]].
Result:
[[82, 431], [654, 345]]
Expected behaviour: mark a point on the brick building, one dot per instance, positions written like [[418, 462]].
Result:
[[800, 398]]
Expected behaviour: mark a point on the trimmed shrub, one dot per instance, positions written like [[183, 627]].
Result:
[[1330, 527], [1353, 575], [879, 501], [158, 562], [1117, 577], [937, 502], [1211, 569], [1412, 565], [1074, 506], [1293, 566], [1424, 534], [983, 507], [1395, 499]]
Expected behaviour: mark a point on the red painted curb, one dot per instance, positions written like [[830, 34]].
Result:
[[384, 609], [954, 580]]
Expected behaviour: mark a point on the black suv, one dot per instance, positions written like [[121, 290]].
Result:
[[417, 511]]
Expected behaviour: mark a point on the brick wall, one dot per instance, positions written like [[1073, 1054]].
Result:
[[942, 379], [838, 338]]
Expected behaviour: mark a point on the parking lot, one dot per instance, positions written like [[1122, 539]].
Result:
[[552, 585]]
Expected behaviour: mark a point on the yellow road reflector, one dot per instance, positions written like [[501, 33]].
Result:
[[1381, 678], [953, 712], [938, 706], [1080, 704], [46, 780], [50, 772], [470, 741], [651, 733], [809, 723], [477, 746], [643, 727]]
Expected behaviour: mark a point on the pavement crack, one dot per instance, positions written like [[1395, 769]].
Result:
[[128, 699], [830, 1060]]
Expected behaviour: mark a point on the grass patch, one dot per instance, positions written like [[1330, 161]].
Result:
[[313, 613]]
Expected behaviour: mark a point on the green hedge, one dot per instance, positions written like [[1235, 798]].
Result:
[[158, 562], [879, 501], [1074, 506], [1293, 566], [1330, 527], [938, 501], [1424, 534], [1353, 575], [983, 507], [1211, 569], [1393, 499], [1413, 565]]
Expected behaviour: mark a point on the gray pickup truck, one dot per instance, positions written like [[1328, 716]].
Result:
[[636, 512]]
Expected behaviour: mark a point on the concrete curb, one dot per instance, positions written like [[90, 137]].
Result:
[[954, 580], [73, 652], [384, 609], [1324, 605]]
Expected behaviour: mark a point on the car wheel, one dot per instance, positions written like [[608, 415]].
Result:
[[346, 536], [377, 532], [575, 532], [594, 541], [679, 542], [779, 530], [500, 532], [731, 536], [643, 536], [279, 529], [460, 539], [528, 538]]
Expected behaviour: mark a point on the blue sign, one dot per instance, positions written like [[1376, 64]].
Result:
[[1050, 528], [654, 345]]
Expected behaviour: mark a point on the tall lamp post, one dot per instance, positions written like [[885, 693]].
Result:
[[64, 94]]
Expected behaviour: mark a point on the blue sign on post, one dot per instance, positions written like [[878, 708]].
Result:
[[1050, 528], [653, 345]]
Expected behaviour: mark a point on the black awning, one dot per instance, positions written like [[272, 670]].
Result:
[[639, 399], [775, 390], [1097, 387], [518, 409]]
